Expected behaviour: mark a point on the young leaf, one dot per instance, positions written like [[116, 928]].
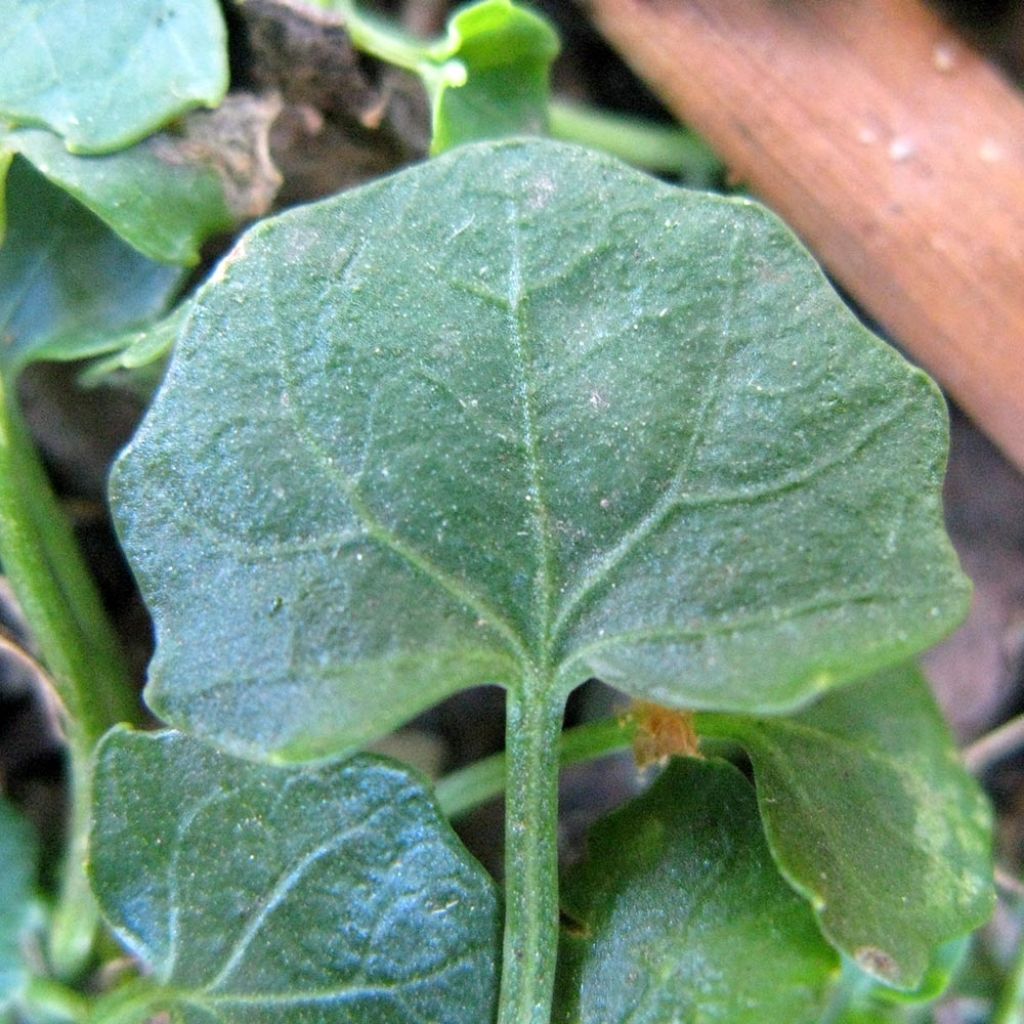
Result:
[[505, 52], [104, 78], [871, 815], [679, 915], [254, 893], [523, 415], [161, 205], [66, 282], [17, 878], [487, 78]]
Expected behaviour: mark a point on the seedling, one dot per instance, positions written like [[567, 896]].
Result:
[[518, 416]]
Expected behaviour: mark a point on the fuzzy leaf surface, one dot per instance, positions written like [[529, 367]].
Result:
[[155, 200], [281, 894], [17, 879], [66, 281], [871, 815], [104, 77], [523, 415], [679, 915]]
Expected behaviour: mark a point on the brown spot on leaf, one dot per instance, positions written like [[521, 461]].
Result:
[[877, 962], [662, 733]]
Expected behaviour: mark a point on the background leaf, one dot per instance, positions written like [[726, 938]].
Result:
[[506, 51], [160, 204], [105, 77], [525, 413], [17, 879], [255, 893], [66, 281], [679, 915], [871, 815]]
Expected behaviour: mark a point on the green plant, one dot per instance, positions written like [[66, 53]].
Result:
[[521, 416]]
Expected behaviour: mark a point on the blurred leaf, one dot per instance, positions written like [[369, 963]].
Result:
[[17, 880], [505, 51], [679, 915], [105, 75], [67, 283], [151, 195]]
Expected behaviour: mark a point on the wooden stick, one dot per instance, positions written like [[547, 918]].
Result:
[[890, 146]]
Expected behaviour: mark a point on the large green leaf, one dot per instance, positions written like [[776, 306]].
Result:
[[17, 878], [679, 916], [105, 75], [871, 815], [255, 893], [162, 205], [66, 281], [523, 415]]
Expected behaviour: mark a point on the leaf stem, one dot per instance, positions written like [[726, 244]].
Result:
[[1010, 1008], [637, 140], [78, 647], [986, 751], [469, 787], [534, 722]]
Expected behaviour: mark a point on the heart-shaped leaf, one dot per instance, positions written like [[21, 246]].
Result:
[[255, 893], [679, 915], [67, 282], [871, 815], [17, 878], [104, 77], [523, 415], [162, 205]]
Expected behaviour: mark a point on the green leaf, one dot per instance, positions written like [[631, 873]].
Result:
[[522, 415], [66, 282], [505, 52], [679, 916], [17, 880], [871, 815], [139, 355], [162, 205], [105, 77], [254, 893]]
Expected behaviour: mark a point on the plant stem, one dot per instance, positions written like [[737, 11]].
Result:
[[78, 647], [1010, 1008], [484, 780], [984, 752], [534, 722], [638, 141]]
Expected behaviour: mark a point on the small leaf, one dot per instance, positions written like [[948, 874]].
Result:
[[871, 815], [17, 879], [104, 78], [254, 893], [504, 52], [150, 195], [679, 916], [67, 283], [522, 415]]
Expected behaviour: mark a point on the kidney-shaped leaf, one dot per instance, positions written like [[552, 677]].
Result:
[[679, 916], [17, 878], [257, 893], [67, 283], [103, 76], [870, 813], [523, 415]]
